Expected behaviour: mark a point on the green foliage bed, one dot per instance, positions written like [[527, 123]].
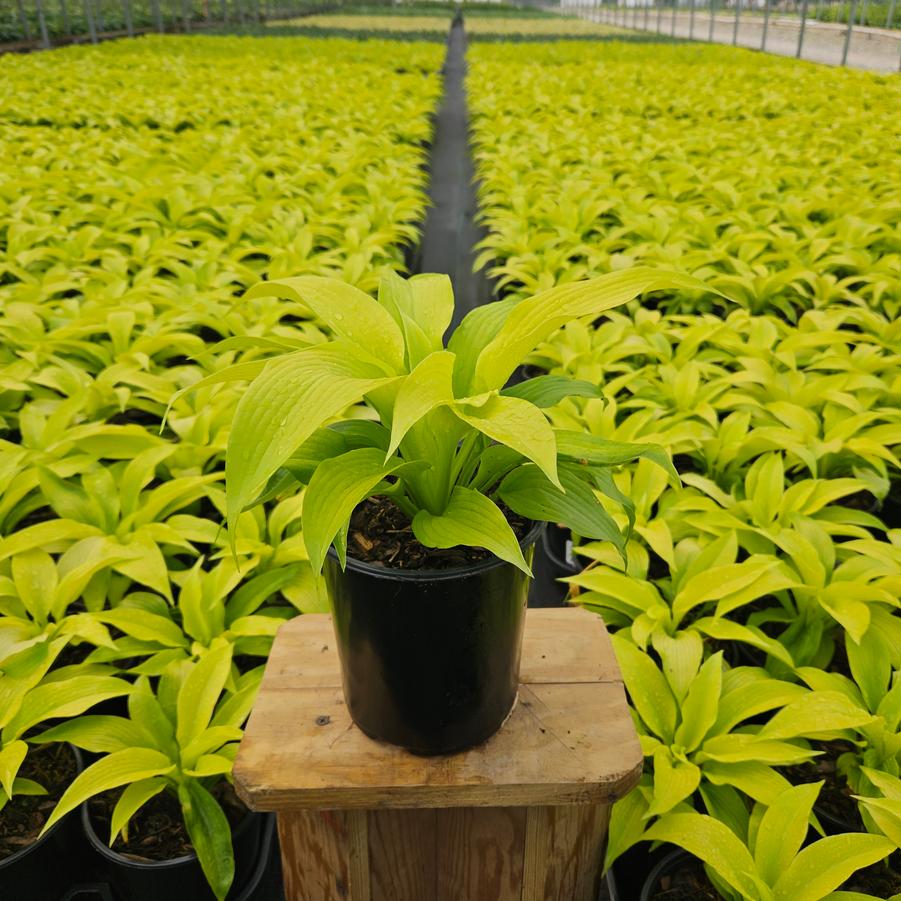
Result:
[[144, 186], [756, 622]]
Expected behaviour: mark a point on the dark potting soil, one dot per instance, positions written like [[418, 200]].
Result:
[[380, 534], [835, 796], [880, 880], [861, 500], [157, 831], [21, 820], [687, 883]]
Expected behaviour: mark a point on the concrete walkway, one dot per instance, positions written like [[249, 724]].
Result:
[[874, 49]]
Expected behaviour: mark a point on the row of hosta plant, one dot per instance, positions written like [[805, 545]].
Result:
[[476, 25], [131, 222], [424, 24], [756, 620], [537, 28], [688, 156]]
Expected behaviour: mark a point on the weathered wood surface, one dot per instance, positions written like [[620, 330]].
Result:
[[455, 854], [521, 818], [569, 740]]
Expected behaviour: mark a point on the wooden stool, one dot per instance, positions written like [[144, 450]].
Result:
[[523, 816]]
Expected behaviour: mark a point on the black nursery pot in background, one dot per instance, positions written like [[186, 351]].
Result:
[[179, 879], [430, 658], [668, 866], [44, 869], [552, 562]]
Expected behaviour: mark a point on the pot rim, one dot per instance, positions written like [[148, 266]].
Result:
[[436, 575], [121, 860], [22, 853], [558, 561], [669, 861]]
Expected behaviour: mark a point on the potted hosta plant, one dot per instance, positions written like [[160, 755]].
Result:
[[423, 504], [157, 804], [761, 855], [32, 779]]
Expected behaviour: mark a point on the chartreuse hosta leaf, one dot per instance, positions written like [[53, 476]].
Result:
[[31, 693], [422, 307], [768, 863], [528, 490], [677, 613], [346, 311], [884, 803], [533, 320], [335, 489], [692, 724], [547, 390], [473, 519], [210, 834], [177, 739], [115, 769], [444, 408], [294, 396]]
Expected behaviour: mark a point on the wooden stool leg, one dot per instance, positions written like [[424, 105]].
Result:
[[564, 852], [324, 855], [451, 854]]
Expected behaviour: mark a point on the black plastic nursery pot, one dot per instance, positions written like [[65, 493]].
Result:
[[44, 868], [552, 562], [670, 864], [626, 878], [180, 879], [430, 658]]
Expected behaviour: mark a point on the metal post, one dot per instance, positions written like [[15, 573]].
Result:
[[863, 13], [659, 6], [691, 20], [89, 15], [64, 9], [256, 10], [23, 21], [186, 15], [673, 26], [99, 10], [129, 23], [851, 15], [712, 21], [647, 12], [801, 32], [816, 12], [42, 24], [891, 14], [224, 6], [157, 15], [766, 24], [735, 25]]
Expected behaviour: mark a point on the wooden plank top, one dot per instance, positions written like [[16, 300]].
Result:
[[569, 740]]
